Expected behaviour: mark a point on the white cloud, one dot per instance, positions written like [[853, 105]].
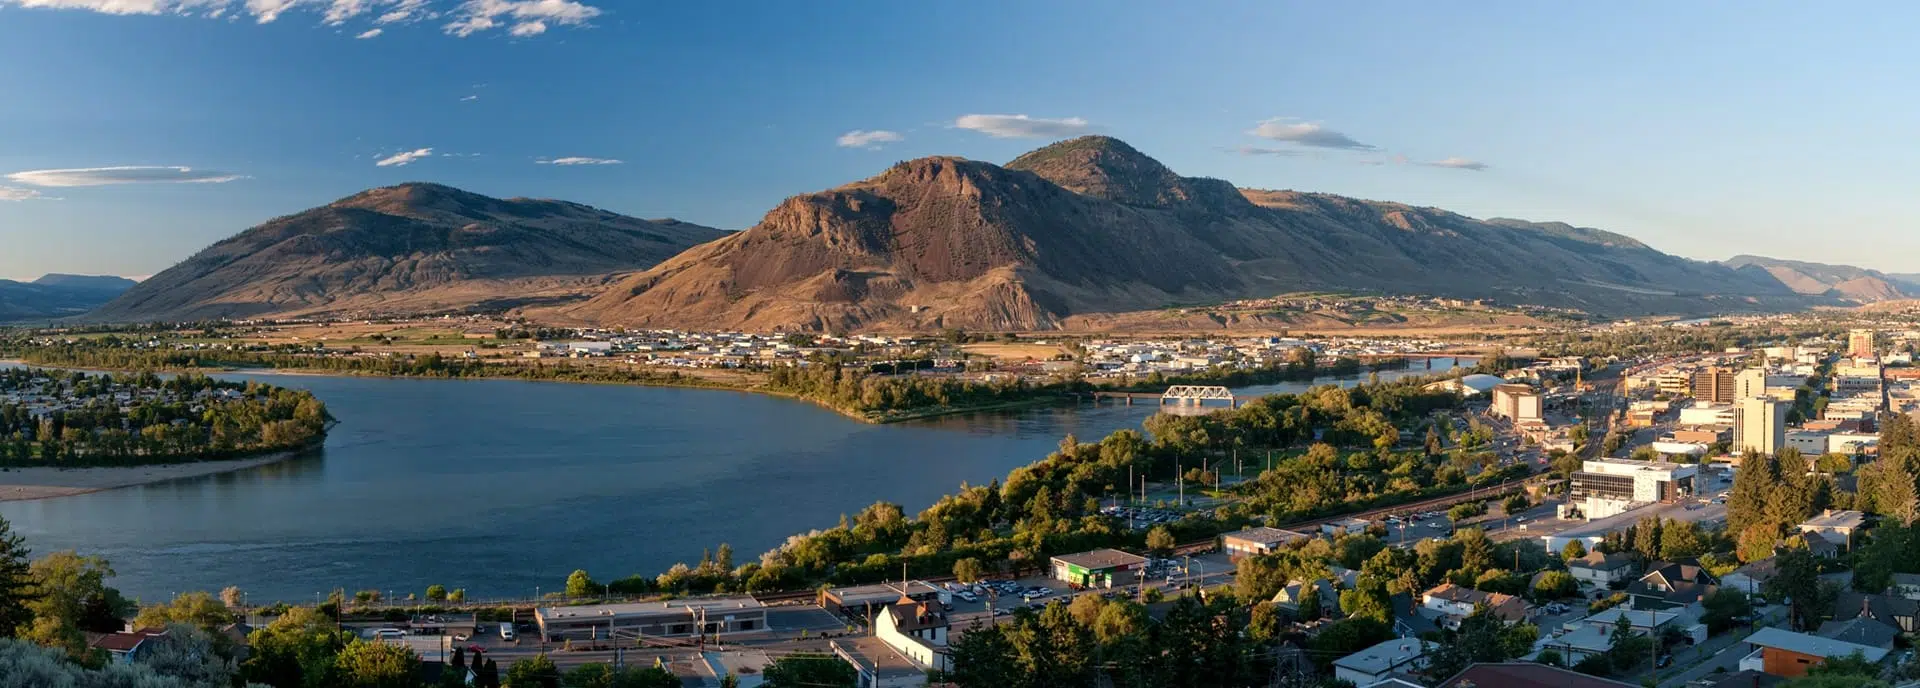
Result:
[[522, 18], [1306, 134], [404, 158], [1022, 126], [529, 17], [369, 33], [575, 160], [869, 138], [470, 98], [1458, 164], [129, 174], [1262, 150], [14, 193]]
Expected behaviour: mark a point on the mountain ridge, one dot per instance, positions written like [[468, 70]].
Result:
[[407, 248], [1847, 282]]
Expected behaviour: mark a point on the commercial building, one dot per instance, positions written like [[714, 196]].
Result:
[[1713, 385], [1100, 568], [674, 618], [1707, 415], [1375, 664], [1811, 444], [877, 665], [1860, 344], [865, 601], [1258, 540], [1750, 383], [1760, 426], [1606, 487], [1517, 403]]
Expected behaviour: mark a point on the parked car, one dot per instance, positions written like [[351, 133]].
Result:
[[506, 631]]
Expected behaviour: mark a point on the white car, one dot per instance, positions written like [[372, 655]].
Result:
[[506, 631]]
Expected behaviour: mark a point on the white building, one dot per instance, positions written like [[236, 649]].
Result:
[[1374, 664], [1606, 487], [1760, 426], [1707, 414], [1517, 403]]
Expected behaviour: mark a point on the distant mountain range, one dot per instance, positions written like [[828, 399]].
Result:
[[57, 296], [1058, 238], [411, 248], [1838, 281]]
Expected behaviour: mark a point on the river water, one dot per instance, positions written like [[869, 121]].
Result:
[[499, 486]]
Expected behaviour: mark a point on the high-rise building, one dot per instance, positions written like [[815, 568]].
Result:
[[1750, 383], [1713, 386], [1517, 403], [1759, 425], [1860, 343]]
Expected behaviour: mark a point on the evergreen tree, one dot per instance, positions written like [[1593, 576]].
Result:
[[16, 582]]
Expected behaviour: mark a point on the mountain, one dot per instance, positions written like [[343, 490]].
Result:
[[410, 248], [56, 296], [1091, 226], [1838, 281]]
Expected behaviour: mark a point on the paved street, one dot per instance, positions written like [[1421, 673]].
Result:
[[1721, 652]]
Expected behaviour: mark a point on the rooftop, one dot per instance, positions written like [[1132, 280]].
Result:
[[1102, 559], [1267, 536], [1385, 656], [874, 656], [1842, 518], [710, 604], [1812, 644]]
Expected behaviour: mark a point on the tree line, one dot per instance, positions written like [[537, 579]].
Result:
[[116, 420]]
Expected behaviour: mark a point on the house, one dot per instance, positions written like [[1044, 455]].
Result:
[[1377, 663], [1600, 569], [1788, 654], [1751, 578], [1525, 675], [1410, 620], [1454, 603], [1288, 598], [124, 647], [1836, 525], [1860, 631], [1258, 540], [1671, 584], [916, 630], [1898, 613]]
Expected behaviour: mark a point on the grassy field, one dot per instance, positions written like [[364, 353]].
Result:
[[1013, 351]]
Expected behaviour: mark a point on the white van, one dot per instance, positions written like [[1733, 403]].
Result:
[[506, 631], [388, 634]]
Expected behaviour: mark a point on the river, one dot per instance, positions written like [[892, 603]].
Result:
[[499, 486]]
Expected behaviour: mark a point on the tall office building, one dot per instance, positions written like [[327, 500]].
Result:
[[1860, 343], [1713, 386], [1750, 383], [1759, 425]]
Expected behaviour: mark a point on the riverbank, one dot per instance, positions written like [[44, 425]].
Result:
[[45, 482]]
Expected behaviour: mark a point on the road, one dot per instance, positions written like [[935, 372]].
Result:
[[1719, 652]]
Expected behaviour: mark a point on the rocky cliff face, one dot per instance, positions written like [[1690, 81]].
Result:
[[407, 249], [1091, 225]]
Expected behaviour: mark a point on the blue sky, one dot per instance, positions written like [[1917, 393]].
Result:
[[1773, 128]]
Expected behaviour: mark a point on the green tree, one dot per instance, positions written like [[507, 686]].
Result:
[[810, 670], [968, 570], [1575, 549], [1310, 602], [1722, 606], [1368, 599], [295, 651], [1855, 665], [1797, 577], [579, 584], [197, 609], [376, 665], [71, 598], [189, 654], [538, 672], [436, 593], [1555, 585], [1160, 541]]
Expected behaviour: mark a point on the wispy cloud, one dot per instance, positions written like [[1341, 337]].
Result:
[[370, 33], [1022, 126], [522, 18], [14, 193], [871, 139], [1262, 150], [527, 17], [470, 98], [577, 160], [129, 174], [1306, 134], [1458, 164], [404, 158]]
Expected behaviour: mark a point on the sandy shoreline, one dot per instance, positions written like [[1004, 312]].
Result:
[[42, 482]]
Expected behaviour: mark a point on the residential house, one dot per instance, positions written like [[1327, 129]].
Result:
[[124, 647], [1788, 654], [1453, 603], [1899, 613], [1601, 569], [1751, 578], [1671, 584], [1289, 597], [1525, 675], [917, 630], [1410, 620], [1377, 663], [1837, 526], [1860, 631]]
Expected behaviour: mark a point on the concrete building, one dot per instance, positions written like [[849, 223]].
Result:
[[1258, 540], [876, 665], [1517, 403], [1860, 344], [1606, 487], [1375, 664], [1810, 443], [1707, 415], [1345, 526], [1750, 383], [866, 601], [1787, 654], [1100, 568], [1713, 385], [674, 618], [1760, 426]]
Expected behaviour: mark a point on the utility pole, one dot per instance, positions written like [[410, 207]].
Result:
[[1177, 478]]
